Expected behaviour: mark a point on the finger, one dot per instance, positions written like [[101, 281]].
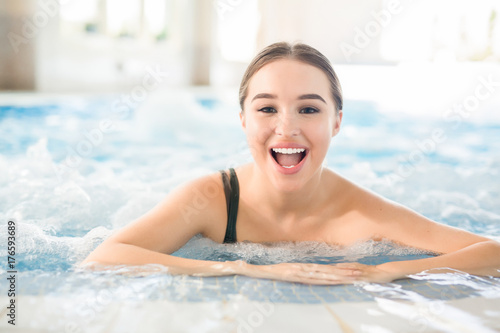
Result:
[[348, 265], [344, 271], [328, 268], [320, 276], [319, 281], [330, 271], [311, 273]]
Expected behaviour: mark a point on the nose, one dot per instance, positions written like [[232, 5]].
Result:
[[287, 125]]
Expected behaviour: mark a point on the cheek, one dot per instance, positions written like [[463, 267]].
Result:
[[256, 139], [320, 136], [258, 132]]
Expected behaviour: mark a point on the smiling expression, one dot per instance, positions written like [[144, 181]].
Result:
[[289, 118]]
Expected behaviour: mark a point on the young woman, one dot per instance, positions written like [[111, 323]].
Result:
[[291, 108]]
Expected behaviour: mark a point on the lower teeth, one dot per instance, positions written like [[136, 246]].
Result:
[[288, 167]]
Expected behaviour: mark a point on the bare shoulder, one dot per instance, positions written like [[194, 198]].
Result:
[[195, 207], [199, 202], [384, 218], [357, 198], [375, 208]]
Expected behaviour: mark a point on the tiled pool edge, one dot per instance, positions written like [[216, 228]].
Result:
[[53, 314]]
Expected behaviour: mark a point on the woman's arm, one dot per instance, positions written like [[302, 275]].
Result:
[[482, 258], [120, 253], [117, 253], [479, 259], [185, 212], [459, 249]]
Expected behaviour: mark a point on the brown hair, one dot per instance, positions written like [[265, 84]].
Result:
[[298, 51]]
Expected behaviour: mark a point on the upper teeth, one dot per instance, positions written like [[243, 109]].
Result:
[[288, 150]]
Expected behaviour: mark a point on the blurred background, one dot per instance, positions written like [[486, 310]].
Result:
[[394, 51], [91, 45]]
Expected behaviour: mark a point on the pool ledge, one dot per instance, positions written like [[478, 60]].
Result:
[[59, 314]]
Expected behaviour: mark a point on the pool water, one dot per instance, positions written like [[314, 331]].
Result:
[[76, 168]]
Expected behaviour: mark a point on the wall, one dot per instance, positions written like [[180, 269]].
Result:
[[17, 52]]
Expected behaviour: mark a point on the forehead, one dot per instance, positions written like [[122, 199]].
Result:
[[290, 78]]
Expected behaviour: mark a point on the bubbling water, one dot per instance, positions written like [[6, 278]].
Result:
[[306, 252]]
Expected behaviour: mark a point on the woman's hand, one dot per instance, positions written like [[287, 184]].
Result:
[[369, 273], [344, 273]]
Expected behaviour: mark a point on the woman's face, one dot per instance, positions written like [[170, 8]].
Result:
[[289, 119]]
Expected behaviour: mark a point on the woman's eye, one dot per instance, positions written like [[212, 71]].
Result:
[[268, 110], [309, 110]]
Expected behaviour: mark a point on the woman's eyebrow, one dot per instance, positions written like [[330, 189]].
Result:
[[264, 95], [306, 96], [312, 96]]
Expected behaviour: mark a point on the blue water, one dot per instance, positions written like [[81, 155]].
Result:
[[66, 202]]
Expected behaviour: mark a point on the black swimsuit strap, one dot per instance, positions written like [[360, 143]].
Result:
[[232, 192]]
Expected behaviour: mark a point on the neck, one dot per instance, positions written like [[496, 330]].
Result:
[[294, 203]]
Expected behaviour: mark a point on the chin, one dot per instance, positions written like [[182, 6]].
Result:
[[288, 183]]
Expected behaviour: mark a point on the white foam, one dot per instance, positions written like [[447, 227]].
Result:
[[203, 248]]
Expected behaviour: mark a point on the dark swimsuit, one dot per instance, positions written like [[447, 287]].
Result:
[[232, 192]]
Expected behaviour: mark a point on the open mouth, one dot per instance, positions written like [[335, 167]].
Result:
[[288, 157]]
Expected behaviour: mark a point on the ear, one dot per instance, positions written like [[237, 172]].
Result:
[[338, 121], [242, 119]]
